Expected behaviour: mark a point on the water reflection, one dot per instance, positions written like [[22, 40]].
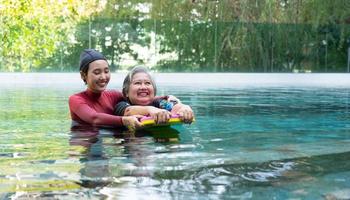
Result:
[[110, 155]]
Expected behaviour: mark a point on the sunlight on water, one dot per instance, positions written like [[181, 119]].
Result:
[[282, 136]]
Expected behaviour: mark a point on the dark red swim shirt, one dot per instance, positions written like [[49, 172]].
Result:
[[85, 107]]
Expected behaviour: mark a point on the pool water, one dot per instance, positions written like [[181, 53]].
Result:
[[252, 139]]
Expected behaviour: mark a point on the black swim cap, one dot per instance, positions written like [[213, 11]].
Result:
[[88, 56]]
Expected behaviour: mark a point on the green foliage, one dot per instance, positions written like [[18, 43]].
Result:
[[255, 36], [34, 30], [112, 32], [187, 35]]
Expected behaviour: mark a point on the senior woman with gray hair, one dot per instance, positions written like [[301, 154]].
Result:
[[139, 90]]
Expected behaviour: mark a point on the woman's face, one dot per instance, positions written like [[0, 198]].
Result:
[[141, 90], [97, 76]]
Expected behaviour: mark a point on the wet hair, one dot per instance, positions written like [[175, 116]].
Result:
[[130, 75]]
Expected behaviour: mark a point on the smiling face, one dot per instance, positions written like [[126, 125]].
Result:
[[141, 89], [97, 76]]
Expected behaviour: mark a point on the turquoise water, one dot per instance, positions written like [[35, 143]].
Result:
[[282, 137]]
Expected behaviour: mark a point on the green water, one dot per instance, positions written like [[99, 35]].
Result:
[[248, 142]]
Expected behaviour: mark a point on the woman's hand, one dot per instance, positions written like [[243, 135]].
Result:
[[185, 113], [160, 116], [132, 122]]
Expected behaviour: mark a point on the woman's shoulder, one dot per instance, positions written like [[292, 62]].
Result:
[[114, 95], [113, 92], [76, 99], [77, 95]]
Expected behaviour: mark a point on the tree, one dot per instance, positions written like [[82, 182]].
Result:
[[32, 31]]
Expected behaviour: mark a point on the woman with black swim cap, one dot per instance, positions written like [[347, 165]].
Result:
[[95, 105]]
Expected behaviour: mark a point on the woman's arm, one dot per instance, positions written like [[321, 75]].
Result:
[[159, 115], [89, 115], [125, 109], [174, 105], [161, 110]]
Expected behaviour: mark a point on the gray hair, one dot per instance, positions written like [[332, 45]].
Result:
[[130, 75]]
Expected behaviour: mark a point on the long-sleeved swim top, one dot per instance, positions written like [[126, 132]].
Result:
[[95, 108]]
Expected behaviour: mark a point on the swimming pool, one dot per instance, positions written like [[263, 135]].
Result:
[[256, 136]]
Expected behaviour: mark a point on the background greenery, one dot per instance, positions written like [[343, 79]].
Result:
[[181, 35]]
